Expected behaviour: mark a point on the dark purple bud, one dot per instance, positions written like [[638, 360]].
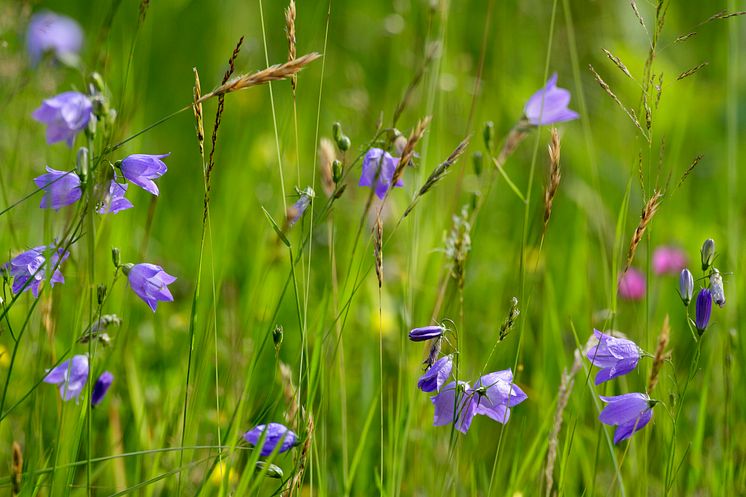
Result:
[[686, 286], [426, 333], [101, 387], [703, 310]]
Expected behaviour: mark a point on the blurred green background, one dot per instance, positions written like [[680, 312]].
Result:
[[371, 53]]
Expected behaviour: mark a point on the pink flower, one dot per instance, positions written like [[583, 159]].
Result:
[[632, 285], [668, 260]]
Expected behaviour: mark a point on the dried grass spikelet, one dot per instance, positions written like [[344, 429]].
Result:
[[144, 4], [378, 250], [297, 481], [651, 207], [554, 176], [290, 33], [691, 71], [660, 354], [198, 115], [327, 156], [408, 152], [272, 73], [630, 113], [618, 62], [16, 469], [439, 172], [216, 127], [563, 396], [289, 394], [690, 169]]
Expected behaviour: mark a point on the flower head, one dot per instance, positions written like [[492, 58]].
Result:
[[61, 188], [459, 396], [114, 201], [549, 105], [378, 171], [142, 169], [436, 375], [276, 434], [65, 115], [617, 356], [629, 412], [426, 333], [497, 394], [632, 285], [28, 269], [101, 387], [703, 310], [686, 286], [668, 260], [50, 32], [71, 376], [149, 282], [493, 395]]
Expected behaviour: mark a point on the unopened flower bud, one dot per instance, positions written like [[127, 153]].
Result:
[[116, 257], [277, 335], [344, 143], [97, 82], [81, 166], [686, 286], [337, 171], [336, 131], [703, 310], [477, 161], [100, 294], [426, 333], [708, 253], [716, 287], [489, 135]]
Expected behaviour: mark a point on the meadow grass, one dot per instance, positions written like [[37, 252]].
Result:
[[298, 313]]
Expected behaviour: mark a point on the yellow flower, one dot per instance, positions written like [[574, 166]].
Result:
[[4, 357], [216, 478]]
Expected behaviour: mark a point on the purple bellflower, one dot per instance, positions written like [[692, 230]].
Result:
[[114, 201], [58, 34], [378, 171], [629, 412], [101, 387], [142, 169], [61, 188], [149, 282], [28, 269], [493, 395], [426, 333], [71, 376], [445, 402], [436, 375], [703, 310], [617, 356], [496, 394], [276, 434], [549, 105], [65, 115]]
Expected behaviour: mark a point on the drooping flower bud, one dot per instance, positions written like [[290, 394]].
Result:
[[708, 253], [488, 134], [116, 257], [277, 335], [426, 333], [703, 310], [81, 166], [716, 287], [686, 286]]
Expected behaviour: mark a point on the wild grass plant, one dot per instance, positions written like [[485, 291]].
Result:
[[343, 248]]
